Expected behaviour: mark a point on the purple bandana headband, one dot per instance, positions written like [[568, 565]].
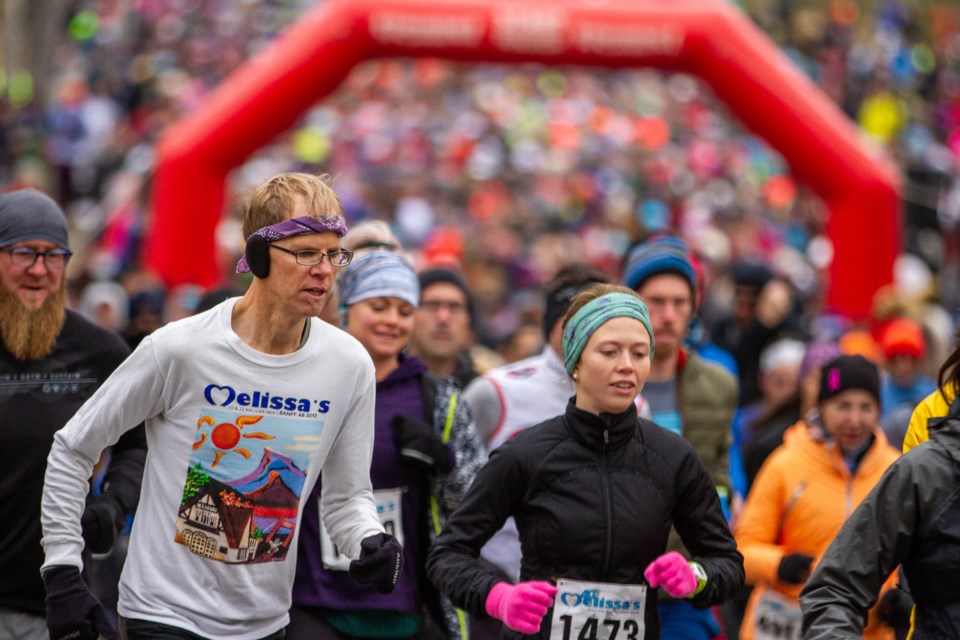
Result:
[[295, 227]]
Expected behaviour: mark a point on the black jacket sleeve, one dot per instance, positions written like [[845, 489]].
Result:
[[700, 522], [452, 564], [874, 540]]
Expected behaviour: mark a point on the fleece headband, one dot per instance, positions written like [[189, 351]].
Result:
[[295, 227], [592, 315], [28, 214], [379, 274]]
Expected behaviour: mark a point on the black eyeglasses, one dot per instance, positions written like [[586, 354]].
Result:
[[310, 257], [434, 306], [25, 257]]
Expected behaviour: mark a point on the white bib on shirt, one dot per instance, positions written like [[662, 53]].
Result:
[[391, 517], [776, 617], [598, 611]]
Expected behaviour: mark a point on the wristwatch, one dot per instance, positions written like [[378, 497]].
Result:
[[701, 575]]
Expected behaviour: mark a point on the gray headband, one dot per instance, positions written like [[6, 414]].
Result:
[[28, 214], [379, 274]]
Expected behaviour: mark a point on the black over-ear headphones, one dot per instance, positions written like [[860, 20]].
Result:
[[258, 255]]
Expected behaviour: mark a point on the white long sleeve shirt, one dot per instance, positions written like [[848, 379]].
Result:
[[236, 440]]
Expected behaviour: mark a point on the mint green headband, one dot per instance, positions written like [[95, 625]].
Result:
[[593, 314]]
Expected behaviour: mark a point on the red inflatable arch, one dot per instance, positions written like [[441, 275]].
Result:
[[711, 39]]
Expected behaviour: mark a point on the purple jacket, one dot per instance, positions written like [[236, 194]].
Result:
[[399, 394]]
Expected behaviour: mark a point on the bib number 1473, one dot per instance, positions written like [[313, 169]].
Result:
[[594, 629], [598, 611]]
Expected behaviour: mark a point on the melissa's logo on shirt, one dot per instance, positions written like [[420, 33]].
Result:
[[591, 598], [225, 396]]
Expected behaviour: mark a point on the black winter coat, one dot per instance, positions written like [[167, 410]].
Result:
[[594, 498]]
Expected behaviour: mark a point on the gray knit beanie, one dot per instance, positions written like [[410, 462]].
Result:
[[28, 214]]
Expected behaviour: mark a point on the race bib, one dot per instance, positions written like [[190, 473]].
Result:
[[388, 508], [776, 617], [598, 611]]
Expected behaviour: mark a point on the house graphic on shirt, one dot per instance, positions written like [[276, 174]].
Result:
[[250, 519]]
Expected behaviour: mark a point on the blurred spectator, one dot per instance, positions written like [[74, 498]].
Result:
[[904, 384], [105, 304], [182, 301], [762, 308], [526, 341], [777, 408], [779, 382], [443, 325], [372, 235], [146, 315], [860, 342], [759, 448]]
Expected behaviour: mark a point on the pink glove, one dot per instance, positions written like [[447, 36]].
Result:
[[521, 607], [673, 573]]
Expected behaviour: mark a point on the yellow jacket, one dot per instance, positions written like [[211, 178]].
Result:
[[934, 405], [800, 499]]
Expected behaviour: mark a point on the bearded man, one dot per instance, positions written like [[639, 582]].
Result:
[[51, 361]]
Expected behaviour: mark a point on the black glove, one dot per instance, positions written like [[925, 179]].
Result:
[[102, 521], [73, 612], [794, 568], [380, 562], [894, 608], [421, 446]]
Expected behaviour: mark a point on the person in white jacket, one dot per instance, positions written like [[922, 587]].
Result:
[[243, 405]]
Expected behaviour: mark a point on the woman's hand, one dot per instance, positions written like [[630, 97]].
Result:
[[521, 607], [672, 572]]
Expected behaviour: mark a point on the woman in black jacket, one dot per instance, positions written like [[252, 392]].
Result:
[[594, 493]]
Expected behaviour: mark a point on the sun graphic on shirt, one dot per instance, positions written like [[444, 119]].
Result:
[[226, 436]]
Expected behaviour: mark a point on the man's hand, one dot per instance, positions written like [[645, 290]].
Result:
[[380, 562], [73, 612]]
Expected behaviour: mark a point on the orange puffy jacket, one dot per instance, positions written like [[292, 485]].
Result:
[[797, 504]]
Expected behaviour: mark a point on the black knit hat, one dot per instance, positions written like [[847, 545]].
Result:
[[848, 372], [434, 275]]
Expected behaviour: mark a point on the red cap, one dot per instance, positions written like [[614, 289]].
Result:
[[902, 337]]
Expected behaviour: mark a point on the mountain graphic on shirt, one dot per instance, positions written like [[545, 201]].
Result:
[[273, 468]]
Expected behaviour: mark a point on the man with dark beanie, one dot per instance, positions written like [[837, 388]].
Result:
[[51, 361], [443, 330], [687, 395]]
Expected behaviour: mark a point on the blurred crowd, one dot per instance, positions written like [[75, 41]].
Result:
[[507, 171]]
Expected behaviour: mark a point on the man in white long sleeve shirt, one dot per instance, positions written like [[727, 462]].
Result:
[[243, 406]]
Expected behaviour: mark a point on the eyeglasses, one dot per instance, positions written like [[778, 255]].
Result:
[[310, 257], [25, 257], [433, 306]]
